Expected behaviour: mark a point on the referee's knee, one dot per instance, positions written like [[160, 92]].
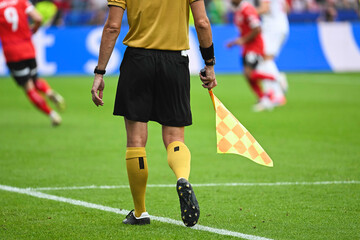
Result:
[[136, 141]]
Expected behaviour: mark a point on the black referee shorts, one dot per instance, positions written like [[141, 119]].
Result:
[[23, 71], [154, 85]]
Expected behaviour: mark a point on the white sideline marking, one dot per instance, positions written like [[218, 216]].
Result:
[[198, 185], [125, 212]]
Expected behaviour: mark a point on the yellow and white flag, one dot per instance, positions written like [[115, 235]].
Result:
[[233, 137]]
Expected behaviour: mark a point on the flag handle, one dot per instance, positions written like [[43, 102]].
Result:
[[203, 73]]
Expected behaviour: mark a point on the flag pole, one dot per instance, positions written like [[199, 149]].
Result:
[[212, 97], [203, 73]]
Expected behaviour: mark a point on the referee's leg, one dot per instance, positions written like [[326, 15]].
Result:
[[136, 163], [179, 161]]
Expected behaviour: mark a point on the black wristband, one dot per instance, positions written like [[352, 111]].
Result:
[[207, 53], [98, 71]]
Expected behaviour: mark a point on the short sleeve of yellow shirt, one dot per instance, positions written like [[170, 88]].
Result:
[[119, 3], [156, 24]]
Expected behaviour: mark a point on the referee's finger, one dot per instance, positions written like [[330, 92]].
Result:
[[202, 78], [97, 100], [94, 99]]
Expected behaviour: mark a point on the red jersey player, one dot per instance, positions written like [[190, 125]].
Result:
[[15, 35], [248, 21]]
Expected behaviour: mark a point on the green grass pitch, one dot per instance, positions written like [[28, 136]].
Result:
[[314, 138]]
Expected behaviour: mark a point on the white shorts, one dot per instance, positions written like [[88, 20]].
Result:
[[273, 41]]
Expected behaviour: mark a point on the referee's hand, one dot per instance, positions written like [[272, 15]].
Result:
[[97, 90], [208, 79]]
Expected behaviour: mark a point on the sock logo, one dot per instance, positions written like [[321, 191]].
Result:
[[141, 162], [176, 149]]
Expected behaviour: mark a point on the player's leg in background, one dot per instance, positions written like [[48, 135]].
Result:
[[249, 62], [254, 78], [137, 169], [273, 41], [179, 158], [40, 103], [43, 86], [253, 82], [21, 73], [272, 87], [35, 97], [282, 76]]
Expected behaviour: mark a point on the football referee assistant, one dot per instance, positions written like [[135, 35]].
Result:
[[154, 85]]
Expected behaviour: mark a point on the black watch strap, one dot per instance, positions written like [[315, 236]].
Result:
[[98, 71], [211, 63]]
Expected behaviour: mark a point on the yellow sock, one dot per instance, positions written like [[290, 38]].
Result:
[[137, 169], [179, 159]]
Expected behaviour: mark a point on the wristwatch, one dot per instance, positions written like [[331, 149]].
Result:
[[211, 63], [98, 71]]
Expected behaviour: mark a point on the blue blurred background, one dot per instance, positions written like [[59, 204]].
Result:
[[324, 36]]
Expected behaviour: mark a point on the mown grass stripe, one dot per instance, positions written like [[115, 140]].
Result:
[[125, 212]]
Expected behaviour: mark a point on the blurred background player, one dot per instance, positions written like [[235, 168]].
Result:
[[15, 35], [275, 29], [248, 22]]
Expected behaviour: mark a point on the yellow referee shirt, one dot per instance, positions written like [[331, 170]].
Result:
[[156, 24]]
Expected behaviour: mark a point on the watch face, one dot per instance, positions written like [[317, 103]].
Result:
[[212, 63]]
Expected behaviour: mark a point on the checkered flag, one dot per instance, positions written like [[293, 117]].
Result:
[[233, 137]]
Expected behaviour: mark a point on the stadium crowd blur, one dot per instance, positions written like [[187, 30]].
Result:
[[94, 12]]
